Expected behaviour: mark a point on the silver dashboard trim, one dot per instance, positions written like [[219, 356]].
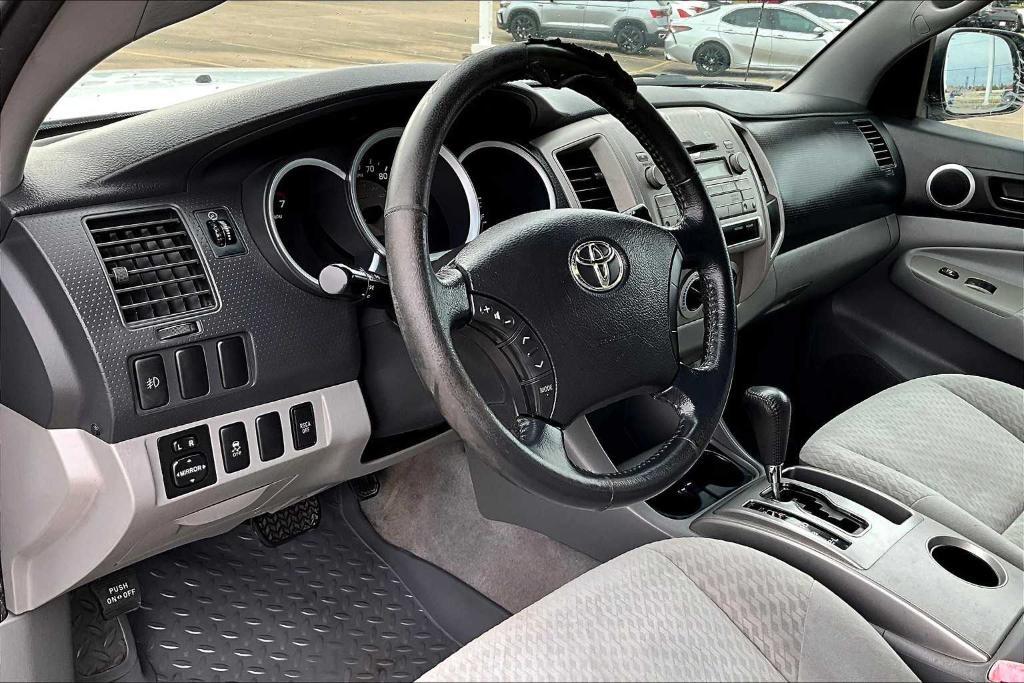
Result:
[[460, 172], [76, 507], [268, 206], [515, 149]]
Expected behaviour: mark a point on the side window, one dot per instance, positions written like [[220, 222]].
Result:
[[747, 18], [789, 21], [843, 13], [819, 10]]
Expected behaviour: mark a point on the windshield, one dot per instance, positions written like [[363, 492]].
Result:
[[689, 42]]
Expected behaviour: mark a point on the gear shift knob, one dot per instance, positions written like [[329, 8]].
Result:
[[770, 412]]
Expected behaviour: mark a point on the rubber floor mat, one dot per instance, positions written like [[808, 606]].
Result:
[[322, 606]]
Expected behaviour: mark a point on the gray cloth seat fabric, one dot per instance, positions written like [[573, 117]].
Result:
[[682, 609], [948, 446]]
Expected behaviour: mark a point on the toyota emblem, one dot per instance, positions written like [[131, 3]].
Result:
[[597, 266]]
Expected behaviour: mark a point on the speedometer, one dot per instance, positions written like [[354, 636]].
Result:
[[454, 211], [372, 187]]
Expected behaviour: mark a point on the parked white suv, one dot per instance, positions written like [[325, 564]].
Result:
[[633, 25]]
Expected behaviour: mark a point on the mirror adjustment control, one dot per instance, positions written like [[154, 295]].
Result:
[[188, 470], [949, 272], [151, 382], [185, 443]]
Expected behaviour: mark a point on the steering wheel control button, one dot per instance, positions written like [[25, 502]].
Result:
[[495, 319], [234, 369], [234, 447], [527, 354], [189, 470], [151, 382], [221, 230], [192, 378], [186, 461], [269, 436], [540, 394], [303, 426], [597, 266]]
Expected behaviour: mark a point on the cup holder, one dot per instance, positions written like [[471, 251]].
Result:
[[966, 561]]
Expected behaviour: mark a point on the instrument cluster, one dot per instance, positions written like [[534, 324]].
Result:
[[323, 209]]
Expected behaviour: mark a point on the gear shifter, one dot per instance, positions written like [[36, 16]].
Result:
[[770, 412]]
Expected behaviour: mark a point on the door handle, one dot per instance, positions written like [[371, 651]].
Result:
[[983, 286]]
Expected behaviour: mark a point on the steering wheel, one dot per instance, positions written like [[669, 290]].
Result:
[[592, 292]]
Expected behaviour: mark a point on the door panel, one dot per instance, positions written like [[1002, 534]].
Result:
[[977, 289], [900, 321]]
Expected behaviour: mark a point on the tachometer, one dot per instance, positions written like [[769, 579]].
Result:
[[454, 211], [309, 221]]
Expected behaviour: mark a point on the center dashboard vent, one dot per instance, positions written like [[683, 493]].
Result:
[[586, 178], [878, 147], [152, 264]]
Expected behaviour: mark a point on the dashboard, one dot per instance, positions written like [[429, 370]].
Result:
[[162, 314]]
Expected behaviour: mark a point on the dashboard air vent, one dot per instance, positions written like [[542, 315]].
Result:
[[586, 178], [878, 147], [152, 263]]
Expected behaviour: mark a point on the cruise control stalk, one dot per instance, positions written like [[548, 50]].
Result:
[[355, 284]]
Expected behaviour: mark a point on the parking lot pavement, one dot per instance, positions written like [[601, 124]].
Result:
[[281, 34], [311, 35]]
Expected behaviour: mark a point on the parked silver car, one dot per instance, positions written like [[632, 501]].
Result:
[[633, 25], [765, 37]]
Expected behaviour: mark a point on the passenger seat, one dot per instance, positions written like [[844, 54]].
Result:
[[949, 446]]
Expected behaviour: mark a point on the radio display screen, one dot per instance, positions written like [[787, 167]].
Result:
[[712, 170]]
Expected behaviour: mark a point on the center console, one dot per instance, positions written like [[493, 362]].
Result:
[[941, 600], [949, 606]]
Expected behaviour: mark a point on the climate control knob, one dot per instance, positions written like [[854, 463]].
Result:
[[738, 162]]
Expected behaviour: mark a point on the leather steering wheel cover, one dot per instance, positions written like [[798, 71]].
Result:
[[426, 305]]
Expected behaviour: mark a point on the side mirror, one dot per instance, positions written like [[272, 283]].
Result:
[[819, 31], [978, 73]]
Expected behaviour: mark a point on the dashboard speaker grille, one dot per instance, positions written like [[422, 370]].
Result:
[[878, 147], [586, 178], [152, 263]]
